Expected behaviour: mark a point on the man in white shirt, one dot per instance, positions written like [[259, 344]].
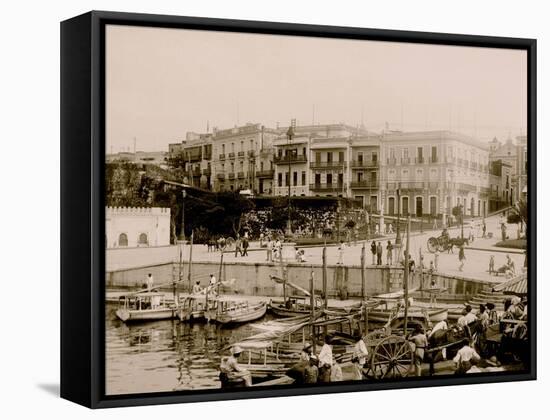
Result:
[[150, 282], [325, 361], [465, 357], [467, 318]]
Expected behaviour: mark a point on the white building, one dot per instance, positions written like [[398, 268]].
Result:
[[136, 227]]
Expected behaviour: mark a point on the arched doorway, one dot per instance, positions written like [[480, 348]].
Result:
[[143, 240], [122, 239]]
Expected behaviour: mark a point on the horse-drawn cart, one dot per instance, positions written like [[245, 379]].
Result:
[[444, 243], [390, 355]]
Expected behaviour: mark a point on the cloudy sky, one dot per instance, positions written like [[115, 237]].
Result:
[[162, 83]]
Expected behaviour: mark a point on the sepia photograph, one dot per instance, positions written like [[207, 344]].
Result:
[[298, 211]]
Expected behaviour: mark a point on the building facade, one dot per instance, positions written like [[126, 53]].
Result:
[[428, 173], [136, 227]]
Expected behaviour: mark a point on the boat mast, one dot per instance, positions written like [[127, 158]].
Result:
[[190, 273], [312, 310]]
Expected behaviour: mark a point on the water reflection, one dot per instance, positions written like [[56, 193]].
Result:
[[164, 355]]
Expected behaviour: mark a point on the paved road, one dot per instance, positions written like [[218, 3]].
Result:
[[476, 266]]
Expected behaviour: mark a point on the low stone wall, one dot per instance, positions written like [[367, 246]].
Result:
[[254, 278]]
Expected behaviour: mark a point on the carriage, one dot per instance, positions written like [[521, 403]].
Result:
[[444, 243]]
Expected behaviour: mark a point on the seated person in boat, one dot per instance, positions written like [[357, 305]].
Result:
[[197, 288], [230, 368]]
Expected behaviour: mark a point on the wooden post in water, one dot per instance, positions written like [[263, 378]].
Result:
[[363, 294], [220, 274], [190, 273], [312, 310], [284, 273], [406, 277]]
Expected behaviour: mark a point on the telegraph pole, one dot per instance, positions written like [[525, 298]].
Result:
[[289, 134]]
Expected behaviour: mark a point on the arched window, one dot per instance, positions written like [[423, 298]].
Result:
[[143, 239], [122, 239]]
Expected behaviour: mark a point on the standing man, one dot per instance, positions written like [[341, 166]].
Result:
[[341, 253], [461, 257], [484, 229], [269, 249], [420, 342], [436, 259], [325, 361], [238, 250], [379, 254], [373, 251], [503, 230], [389, 253], [149, 282], [245, 246], [464, 358]]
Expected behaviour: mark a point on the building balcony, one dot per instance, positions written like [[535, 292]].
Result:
[[391, 161], [465, 187], [240, 154], [405, 161], [327, 165], [251, 153], [269, 173], [240, 175], [281, 160], [222, 156], [207, 171], [231, 155], [220, 177], [231, 176], [326, 187], [420, 160], [360, 164], [196, 172], [364, 184]]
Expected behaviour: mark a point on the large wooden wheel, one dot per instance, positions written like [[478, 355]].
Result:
[[392, 358], [433, 244]]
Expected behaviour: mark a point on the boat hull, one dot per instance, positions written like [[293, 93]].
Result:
[[126, 315], [235, 317]]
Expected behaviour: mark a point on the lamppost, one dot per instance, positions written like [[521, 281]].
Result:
[[461, 221], [289, 134]]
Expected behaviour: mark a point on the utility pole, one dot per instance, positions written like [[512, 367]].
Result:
[[182, 231], [406, 277]]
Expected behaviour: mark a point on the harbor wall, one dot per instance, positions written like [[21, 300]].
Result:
[[254, 279]]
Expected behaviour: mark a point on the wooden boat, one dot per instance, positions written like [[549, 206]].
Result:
[[294, 306], [434, 315], [231, 310], [144, 306], [193, 307]]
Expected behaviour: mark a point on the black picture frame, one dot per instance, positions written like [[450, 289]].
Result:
[[83, 210]]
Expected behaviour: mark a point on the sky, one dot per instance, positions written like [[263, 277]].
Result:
[[162, 83]]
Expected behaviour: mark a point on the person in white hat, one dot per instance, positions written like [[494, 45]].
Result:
[[230, 367]]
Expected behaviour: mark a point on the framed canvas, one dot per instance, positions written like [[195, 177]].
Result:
[[255, 209]]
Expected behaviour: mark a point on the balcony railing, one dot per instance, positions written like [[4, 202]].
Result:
[[222, 156], [240, 154], [240, 175], [392, 161], [420, 160], [301, 158], [231, 155], [364, 184], [365, 164], [434, 159], [405, 161], [465, 187], [251, 153], [207, 171], [231, 176], [326, 187], [266, 174], [322, 165], [220, 177]]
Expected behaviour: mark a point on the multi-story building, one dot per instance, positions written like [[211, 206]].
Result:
[[315, 161], [150, 158], [243, 157], [433, 171], [365, 171], [514, 155], [500, 185], [196, 152]]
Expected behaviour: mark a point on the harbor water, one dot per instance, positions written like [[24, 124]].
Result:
[[165, 355]]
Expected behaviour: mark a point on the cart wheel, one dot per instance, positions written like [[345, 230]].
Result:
[[432, 245], [229, 244], [392, 358]]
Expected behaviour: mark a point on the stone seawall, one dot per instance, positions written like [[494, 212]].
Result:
[[254, 278]]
